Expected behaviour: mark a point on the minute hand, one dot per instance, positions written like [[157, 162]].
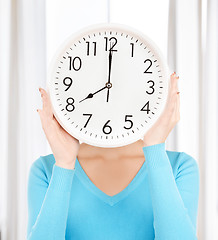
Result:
[[110, 61], [109, 75]]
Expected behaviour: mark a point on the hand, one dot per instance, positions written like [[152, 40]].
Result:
[[168, 119], [64, 146]]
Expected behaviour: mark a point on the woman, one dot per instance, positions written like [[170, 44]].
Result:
[[139, 191]]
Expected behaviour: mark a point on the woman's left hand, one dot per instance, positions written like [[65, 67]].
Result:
[[168, 119]]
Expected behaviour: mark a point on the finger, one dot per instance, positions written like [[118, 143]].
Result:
[[45, 99], [177, 78], [47, 107], [175, 92], [178, 106], [173, 83], [172, 99], [172, 91], [170, 87], [41, 115]]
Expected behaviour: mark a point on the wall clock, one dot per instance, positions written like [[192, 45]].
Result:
[[108, 84]]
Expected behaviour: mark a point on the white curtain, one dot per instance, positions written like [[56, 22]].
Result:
[[22, 71], [30, 31], [193, 53], [209, 116]]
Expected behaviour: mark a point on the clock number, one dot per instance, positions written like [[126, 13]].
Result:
[[152, 87], [148, 60], [70, 102], [112, 46], [107, 126], [146, 105], [72, 63], [67, 84], [128, 120], [132, 49], [88, 43], [86, 114]]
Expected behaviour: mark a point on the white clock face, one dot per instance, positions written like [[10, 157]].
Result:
[[108, 84]]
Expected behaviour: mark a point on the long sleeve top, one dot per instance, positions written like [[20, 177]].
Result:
[[160, 203]]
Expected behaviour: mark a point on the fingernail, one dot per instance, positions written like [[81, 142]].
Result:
[[37, 110], [39, 88]]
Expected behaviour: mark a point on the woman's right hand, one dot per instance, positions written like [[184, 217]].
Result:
[[64, 146]]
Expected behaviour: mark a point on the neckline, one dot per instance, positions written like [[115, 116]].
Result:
[[111, 200]]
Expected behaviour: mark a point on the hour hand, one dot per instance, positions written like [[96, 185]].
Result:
[[89, 96], [92, 94]]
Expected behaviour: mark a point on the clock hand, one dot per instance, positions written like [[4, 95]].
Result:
[[107, 94], [92, 94], [109, 75], [110, 61]]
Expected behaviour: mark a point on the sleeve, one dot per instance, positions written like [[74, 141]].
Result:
[[174, 199], [48, 203]]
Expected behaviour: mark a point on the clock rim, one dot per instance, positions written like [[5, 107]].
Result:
[[77, 35]]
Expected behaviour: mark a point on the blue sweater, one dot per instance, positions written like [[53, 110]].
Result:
[[161, 202]]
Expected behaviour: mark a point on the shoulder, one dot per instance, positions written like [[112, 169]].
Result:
[[42, 168], [183, 163]]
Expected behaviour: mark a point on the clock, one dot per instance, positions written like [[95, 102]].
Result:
[[108, 84]]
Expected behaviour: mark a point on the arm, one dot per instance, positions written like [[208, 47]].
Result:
[[174, 200], [48, 202]]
